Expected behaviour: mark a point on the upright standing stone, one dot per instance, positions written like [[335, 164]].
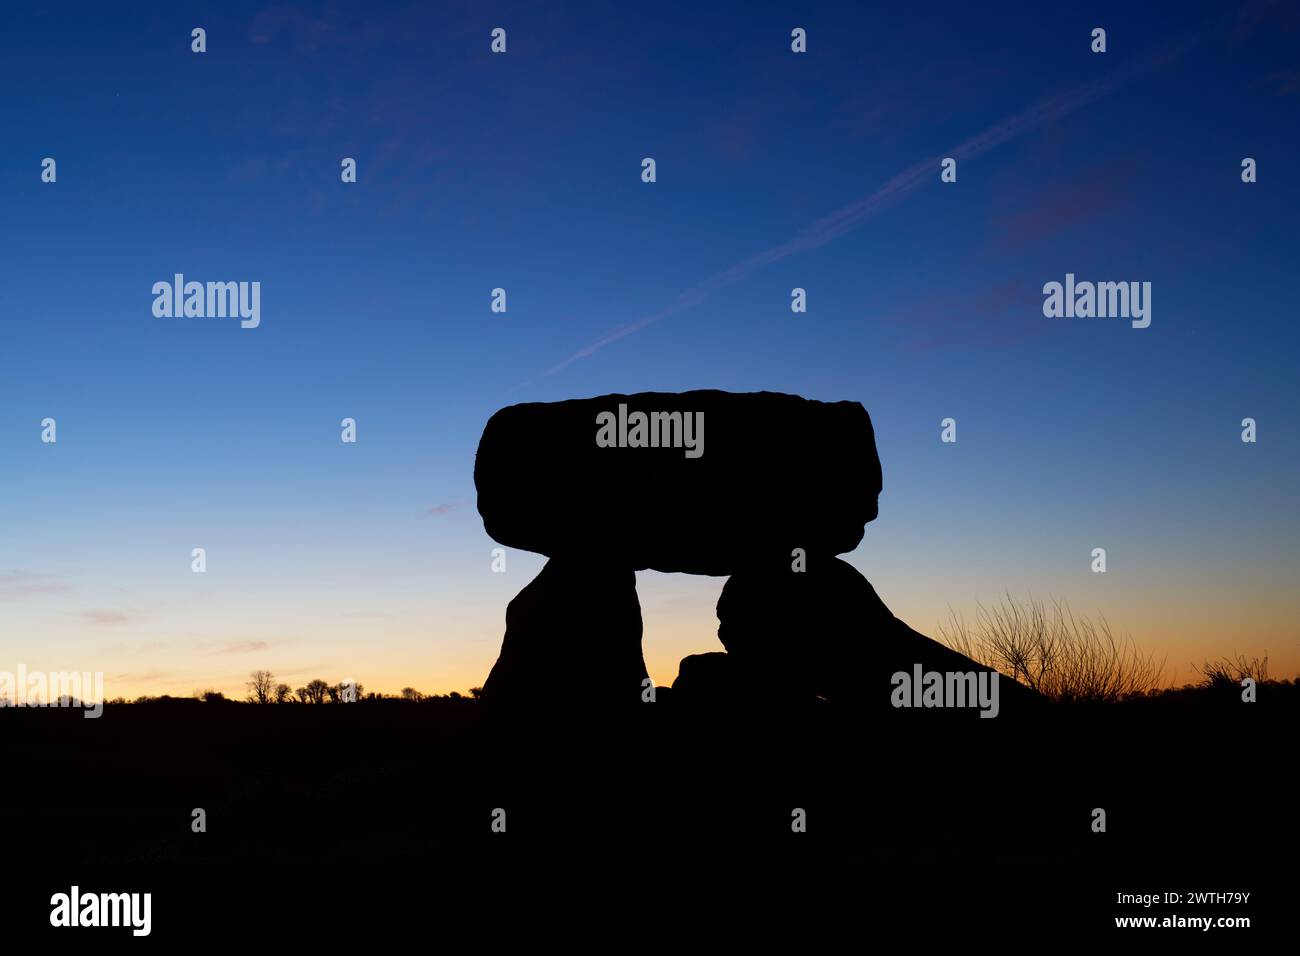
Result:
[[573, 636]]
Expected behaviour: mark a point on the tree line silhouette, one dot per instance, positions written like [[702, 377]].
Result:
[[263, 688]]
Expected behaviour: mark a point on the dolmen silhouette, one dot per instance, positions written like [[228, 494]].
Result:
[[763, 487]]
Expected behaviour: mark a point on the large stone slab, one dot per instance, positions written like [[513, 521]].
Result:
[[735, 477]]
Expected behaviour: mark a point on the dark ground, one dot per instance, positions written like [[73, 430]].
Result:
[[377, 816]]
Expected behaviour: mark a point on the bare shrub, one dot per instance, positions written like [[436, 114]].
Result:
[[1066, 658], [1231, 671]]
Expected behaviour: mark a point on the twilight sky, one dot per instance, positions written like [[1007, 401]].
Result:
[[523, 171]]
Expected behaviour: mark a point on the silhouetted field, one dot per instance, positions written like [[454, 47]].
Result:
[[661, 793], [389, 780]]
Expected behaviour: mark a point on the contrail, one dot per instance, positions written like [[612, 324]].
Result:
[[848, 218]]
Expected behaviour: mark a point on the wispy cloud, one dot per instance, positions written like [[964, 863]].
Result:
[[145, 648], [139, 677], [1058, 208], [322, 671], [16, 585], [292, 23], [108, 617], [235, 647], [1284, 82], [997, 314], [924, 172]]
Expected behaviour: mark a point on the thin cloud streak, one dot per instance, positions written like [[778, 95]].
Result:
[[847, 218], [15, 585], [107, 617]]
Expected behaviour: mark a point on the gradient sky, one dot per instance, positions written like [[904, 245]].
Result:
[[775, 170]]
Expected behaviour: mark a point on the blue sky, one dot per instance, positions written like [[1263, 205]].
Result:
[[523, 171]]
